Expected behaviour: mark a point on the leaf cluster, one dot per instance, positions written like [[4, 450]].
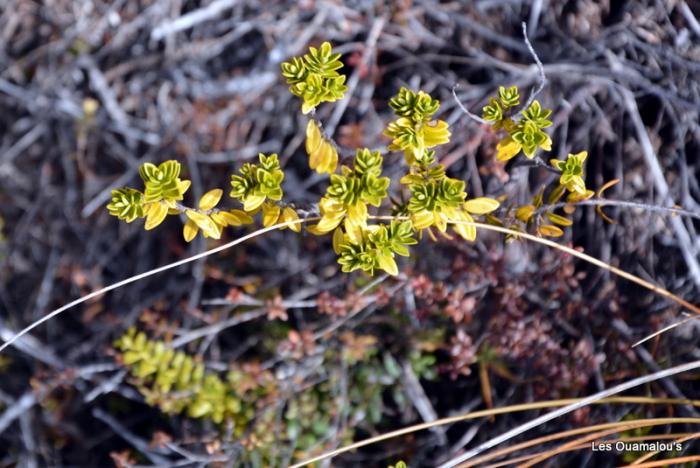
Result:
[[175, 382], [524, 134], [163, 188], [315, 78], [376, 247], [256, 183], [323, 156], [428, 198], [351, 191], [414, 132]]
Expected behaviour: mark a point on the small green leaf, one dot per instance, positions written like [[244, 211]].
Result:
[[560, 220], [550, 231]]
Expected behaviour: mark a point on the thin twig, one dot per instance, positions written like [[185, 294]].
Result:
[[493, 412], [622, 203], [146, 274], [652, 287], [665, 329], [464, 109], [540, 68], [570, 408]]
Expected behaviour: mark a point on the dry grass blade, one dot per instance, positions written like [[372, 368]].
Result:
[[599, 263], [488, 227], [146, 274], [624, 426], [524, 458], [592, 260], [569, 408], [539, 441], [682, 438], [664, 330], [492, 412], [668, 461]]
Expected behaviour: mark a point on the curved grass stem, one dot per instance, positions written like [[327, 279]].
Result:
[[146, 274], [490, 412]]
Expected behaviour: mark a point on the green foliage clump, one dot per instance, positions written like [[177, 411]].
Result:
[[315, 77], [163, 188], [351, 191], [175, 382], [256, 183], [162, 182], [525, 134], [572, 172], [399, 464], [272, 423], [375, 248], [414, 131], [428, 200], [126, 204]]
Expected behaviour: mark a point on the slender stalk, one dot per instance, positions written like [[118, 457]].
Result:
[[146, 274], [594, 261], [669, 461], [622, 203], [656, 452], [491, 412], [570, 408], [627, 425], [539, 441], [654, 437]]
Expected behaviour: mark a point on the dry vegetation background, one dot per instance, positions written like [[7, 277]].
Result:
[[91, 89]]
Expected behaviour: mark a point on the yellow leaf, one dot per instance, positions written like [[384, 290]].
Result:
[[338, 239], [288, 214], [205, 223], [466, 231], [242, 217], [271, 214], [436, 133], [353, 231], [156, 214], [226, 218], [323, 157], [556, 194], [507, 149], [331, 207], [388, 264], [216, 233], [330, 159], [313, 229], [357, 214], [210, 199], [547, 143], [183, 185], [481, 205], [306, 108], [560, 220], [253, 202], [189, 231], [313, 137], [328, 223], [422, 219], [524, 213], [440, 221], [220, 219], [550, 230]]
